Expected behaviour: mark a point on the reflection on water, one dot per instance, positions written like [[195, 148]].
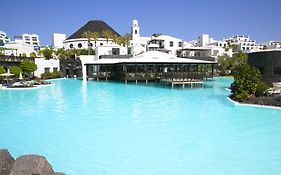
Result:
[[109, 128]]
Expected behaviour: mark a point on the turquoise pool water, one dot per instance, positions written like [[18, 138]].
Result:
[[105, 128]]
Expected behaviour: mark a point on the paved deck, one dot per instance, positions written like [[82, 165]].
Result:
[[182, 83]]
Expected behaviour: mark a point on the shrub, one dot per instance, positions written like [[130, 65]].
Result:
[[47, 53], [46, 75], [56, 74], [261, 89], [16, 70], [241, 96], [2, 70], [246, 79], [28, 67], [32, 54], [51, 75]]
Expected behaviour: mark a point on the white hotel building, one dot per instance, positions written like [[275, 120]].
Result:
[[157, 42], [204, 46], [32, 39], [272, 44], [3, 38], [78, 41], [243, 42], [58, 39]]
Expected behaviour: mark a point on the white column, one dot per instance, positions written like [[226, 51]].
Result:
[[84, 71]]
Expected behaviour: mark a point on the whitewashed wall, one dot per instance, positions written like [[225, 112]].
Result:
[[43, 63]]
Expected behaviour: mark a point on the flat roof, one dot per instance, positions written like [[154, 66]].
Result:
[[151, 57]]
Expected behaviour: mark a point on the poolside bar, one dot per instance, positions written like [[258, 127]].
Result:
[[162, 68]]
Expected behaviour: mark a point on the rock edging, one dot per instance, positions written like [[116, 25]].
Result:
[[24, 165]]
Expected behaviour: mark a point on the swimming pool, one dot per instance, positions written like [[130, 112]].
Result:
[[106, 128]]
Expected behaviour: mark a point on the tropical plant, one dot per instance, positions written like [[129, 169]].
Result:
[[2, 49], [91, 36], [240, 58], [91, 51], [16, 70], [47, 52], [226, 64], [235, 48], [23, 54], [126, 40], [246, 80], [116, 39], [261, 89], [2, 70], [72, 52], [95, 36], [28, 67], [51, 75], [32, 54], [83, 52], [61, 53], [88, 35], [107, 34]]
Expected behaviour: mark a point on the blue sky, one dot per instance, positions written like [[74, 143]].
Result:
[[186, 19]]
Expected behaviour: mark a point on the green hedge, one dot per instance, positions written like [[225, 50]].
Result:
[[51, 75], [247, 82]]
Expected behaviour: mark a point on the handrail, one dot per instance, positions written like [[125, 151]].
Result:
[[4, 58]]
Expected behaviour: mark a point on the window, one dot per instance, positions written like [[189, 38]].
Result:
[[180, 44], [136, 32], [171, 43], [71, 45], [115, 51], [55, 69], [47, 69], [79, 45], [277, 70], [34, 38]]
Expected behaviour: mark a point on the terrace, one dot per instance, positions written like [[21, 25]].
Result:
[[151, 66], [14, 59]]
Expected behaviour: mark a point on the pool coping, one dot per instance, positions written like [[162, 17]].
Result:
[[54, 79], [25, 88], [28, 88], [253, 105]]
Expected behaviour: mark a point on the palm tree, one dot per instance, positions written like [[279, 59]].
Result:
[[95, 36], [107, 34], [116, 39], [88, 35], [126, 39]]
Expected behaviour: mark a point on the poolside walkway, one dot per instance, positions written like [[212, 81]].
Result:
[[182, 83]]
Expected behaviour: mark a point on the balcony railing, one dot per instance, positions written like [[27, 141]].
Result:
[[14, 59], [101, 75]]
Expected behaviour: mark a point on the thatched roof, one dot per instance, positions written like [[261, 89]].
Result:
[[93, 26]]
